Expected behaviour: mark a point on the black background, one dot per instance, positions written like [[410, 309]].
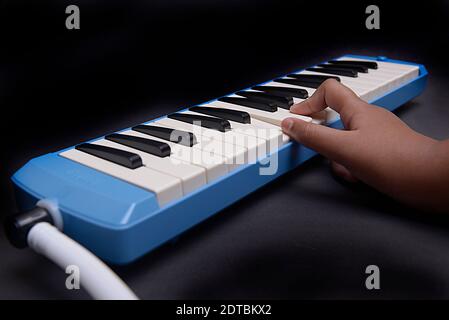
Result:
[[132, 61]]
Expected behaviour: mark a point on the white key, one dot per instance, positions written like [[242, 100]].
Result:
[[192, 177], [214, 164], [377, 85], [235, 155], [272, 134], [384, 79], [284, 113], [256, 147], [362, 93], [387, 65], [393, 75], [387, 77], [326, 116], [362, 81], [270, 117], [356, 86], [166, 188], [365, 91], [408, 72]]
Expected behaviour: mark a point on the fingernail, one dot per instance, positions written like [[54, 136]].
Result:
[[287, 125], [293, 107]]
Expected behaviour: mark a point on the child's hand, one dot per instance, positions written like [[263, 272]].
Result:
[[376, 148]]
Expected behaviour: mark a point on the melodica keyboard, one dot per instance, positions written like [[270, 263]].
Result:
[[124, 194]]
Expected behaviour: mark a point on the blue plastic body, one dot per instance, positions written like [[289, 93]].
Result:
[[120, 222]]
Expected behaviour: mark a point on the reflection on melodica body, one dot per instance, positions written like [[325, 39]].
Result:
[[193, 154]]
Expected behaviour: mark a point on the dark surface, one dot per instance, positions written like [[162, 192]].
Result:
[[304, 236]]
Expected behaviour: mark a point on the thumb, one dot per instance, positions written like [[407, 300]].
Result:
[[332, 143]]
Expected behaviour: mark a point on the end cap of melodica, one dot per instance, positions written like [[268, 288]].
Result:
[[17, 226]]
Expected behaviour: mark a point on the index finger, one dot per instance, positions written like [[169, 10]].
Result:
[[330, 94]]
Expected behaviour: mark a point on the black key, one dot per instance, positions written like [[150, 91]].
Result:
[[228, 114], [337, 71], [206, 122], [282, 91], [157, 148], [312, 77], [354, 67], [270, 107], [173, 135], [123, 158], [351, 72], [368, 64], [283, 102], [300, 83]]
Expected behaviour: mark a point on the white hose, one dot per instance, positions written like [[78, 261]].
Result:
[[95, 276]]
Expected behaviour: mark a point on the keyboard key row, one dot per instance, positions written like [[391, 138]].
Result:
[[184, 151]]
